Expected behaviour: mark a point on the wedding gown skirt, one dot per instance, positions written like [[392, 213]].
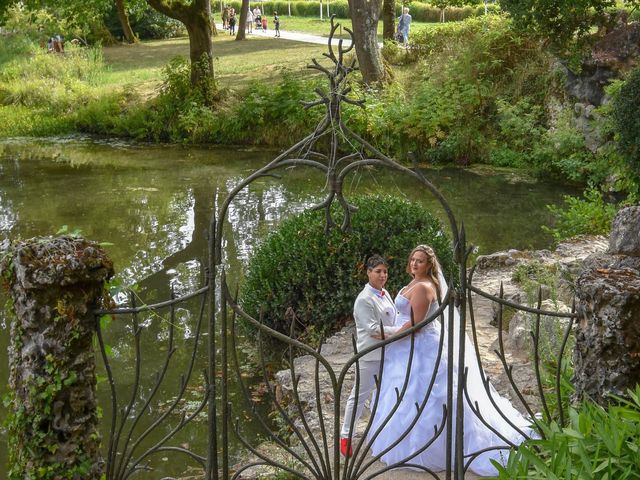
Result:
[[406, 432]]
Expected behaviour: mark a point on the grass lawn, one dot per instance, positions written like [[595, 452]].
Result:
[[261, 58], [236, 63]]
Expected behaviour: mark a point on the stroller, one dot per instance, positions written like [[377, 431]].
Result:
[[258, 22]]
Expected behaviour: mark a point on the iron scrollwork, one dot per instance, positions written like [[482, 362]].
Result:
[[317, 455]]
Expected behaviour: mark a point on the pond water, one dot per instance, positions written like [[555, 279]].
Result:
[[153, 204]]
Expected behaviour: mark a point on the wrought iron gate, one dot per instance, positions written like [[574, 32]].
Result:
[[134, 419]]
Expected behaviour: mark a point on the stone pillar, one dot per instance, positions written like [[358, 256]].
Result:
[[54, 283], [607, 352]]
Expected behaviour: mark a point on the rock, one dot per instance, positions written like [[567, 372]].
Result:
[[499, 259], [588, 85], [607, 351], [616, 50], [587, 121], [55, 283], [551, 334], [625, 232]]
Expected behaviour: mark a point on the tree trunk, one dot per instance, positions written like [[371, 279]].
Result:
[[129, 36], [200, 49], [214, 30], [388, 19], [364, 20], [242, 28], [197, 20]]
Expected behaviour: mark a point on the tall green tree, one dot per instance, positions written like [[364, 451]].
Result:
[[4, 6], [196, 17]]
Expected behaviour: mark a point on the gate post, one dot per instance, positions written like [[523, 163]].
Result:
[[55, 283], [607, 351]]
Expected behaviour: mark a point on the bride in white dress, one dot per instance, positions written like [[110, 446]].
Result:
[[404, 432]]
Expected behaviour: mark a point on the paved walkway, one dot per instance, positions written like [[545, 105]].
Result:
[[296, 36]]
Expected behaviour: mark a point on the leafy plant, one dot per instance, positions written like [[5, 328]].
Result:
[[532, 275], [597, 444], [479, 77], [520, 131], [589, 215], [319, 275]]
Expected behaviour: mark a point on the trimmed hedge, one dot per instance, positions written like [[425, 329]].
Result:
[[420, 12], [298, 266]]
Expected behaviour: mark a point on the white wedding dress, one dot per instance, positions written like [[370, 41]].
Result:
[[401, 442]]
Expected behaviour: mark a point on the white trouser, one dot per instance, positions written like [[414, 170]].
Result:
[[367, 384]]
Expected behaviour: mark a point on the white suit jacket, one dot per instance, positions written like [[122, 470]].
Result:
[[371, 310]]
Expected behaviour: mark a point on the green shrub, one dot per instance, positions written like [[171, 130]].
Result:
[[319, 275], [590, 215], [263, 114], [100, 115], [19, 121], [479, 78], [598, 444], [626, 116], [519, 132]]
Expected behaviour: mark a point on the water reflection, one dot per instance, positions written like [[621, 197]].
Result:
[[153, 203]]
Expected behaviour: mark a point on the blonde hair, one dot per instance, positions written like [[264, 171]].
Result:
[[434, 271]]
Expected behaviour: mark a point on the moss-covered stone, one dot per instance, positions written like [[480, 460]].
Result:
[[55, 283]]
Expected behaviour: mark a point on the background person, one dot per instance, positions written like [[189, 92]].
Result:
[[404, 24], [249, 21], [276, 23]]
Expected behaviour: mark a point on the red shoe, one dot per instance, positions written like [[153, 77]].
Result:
[[345, 447]]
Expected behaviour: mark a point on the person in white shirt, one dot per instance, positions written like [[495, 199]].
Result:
[[372, 310], [249, 21]]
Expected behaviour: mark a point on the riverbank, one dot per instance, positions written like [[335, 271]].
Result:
[[526, 117], [500, 268]]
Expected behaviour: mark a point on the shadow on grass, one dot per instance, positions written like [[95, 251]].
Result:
[[158, 53], [235, 63]]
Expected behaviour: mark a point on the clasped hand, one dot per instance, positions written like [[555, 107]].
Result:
[[405, 326]]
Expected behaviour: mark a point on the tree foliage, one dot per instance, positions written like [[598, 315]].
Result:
[[563, 23], [72, 18], [626, 117]]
